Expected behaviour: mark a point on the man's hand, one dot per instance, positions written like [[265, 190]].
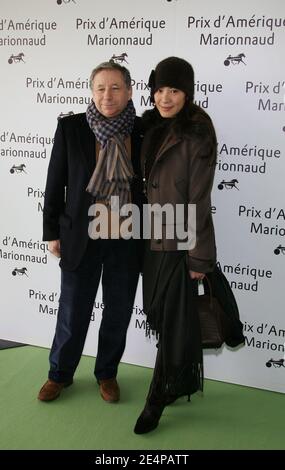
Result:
[[195, 275], [54, 247]]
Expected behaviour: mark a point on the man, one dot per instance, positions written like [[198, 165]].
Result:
[[90, 152]]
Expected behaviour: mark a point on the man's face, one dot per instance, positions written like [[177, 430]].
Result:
[[110, 92]]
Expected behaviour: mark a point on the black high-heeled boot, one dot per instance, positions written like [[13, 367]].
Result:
[[149, 418], [155, 402]]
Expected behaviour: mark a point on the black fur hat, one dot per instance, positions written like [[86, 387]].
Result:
[[174, 73]]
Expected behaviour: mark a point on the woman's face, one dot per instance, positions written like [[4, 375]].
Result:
[[169, 101]]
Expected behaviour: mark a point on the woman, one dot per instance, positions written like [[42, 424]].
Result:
[[179, 156]]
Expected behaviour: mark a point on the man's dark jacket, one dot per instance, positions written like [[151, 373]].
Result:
[[66, 203]]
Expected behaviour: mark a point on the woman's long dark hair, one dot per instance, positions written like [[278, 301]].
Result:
[[191, 120]]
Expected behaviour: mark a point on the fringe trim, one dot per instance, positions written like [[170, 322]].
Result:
[[189, 380], [167, 389], [154, 320]]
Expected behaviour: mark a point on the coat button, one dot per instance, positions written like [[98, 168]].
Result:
[[155, 185]]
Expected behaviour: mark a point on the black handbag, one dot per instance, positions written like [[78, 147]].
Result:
[[214, 322], [218, 312]]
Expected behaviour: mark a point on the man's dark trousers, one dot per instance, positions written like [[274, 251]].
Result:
[[119, 263]]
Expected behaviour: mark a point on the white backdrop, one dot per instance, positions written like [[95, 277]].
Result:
[[47, 51]]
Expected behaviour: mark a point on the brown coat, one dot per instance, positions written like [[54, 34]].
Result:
[[183, 173]]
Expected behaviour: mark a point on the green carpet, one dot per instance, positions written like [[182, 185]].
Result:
[[225, 417]]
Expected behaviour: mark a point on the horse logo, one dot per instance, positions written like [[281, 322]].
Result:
[[19, 272], [234, 60], [119, 59], [16, 58], [18, 168], [228, 184]]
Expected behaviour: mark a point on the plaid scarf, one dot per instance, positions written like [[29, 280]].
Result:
[[113, 171], [105, 128]]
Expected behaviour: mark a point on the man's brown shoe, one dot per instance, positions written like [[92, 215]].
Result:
[[51, 390], [109, 390]]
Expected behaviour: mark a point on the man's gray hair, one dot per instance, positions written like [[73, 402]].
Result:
[[111, 65]]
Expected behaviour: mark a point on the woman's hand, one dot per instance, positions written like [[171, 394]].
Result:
[[54, 247], [197, 276]]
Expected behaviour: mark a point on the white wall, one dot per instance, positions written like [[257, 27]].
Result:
[[61, 41]]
